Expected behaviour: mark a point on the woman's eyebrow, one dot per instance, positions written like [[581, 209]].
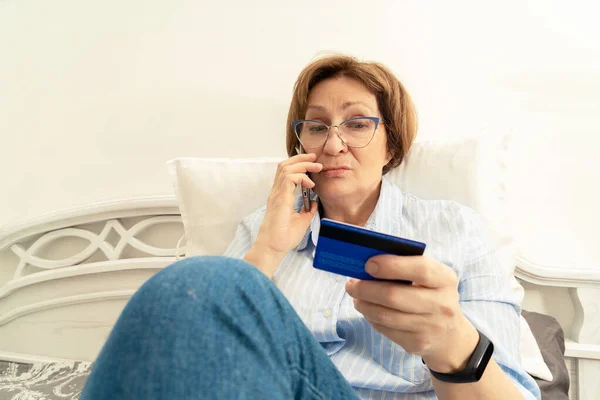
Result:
[[354, 103], [344, 106], [320, 108]]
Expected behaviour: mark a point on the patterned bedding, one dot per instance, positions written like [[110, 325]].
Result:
[[47, 381]]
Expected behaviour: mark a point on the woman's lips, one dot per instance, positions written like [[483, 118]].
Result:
[[334, 172]]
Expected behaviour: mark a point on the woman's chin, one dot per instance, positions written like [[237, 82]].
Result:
[[334, 188]]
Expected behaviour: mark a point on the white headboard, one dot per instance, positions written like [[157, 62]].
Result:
[[68, 275]]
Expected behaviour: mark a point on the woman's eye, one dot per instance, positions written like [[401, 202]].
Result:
[[357, 126], [360, 125]]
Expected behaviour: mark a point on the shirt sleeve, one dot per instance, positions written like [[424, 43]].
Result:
[[245, 235], [487, 301]]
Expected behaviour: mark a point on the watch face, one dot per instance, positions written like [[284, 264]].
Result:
[[485, 358]]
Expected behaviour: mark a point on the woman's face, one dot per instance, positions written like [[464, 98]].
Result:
[[349, 174]]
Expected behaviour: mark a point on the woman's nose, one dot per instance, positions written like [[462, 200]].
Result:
[[335, 143]]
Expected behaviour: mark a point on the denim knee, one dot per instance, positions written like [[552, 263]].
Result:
[[200, 276], [213, 268]]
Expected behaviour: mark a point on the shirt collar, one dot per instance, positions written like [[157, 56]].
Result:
[[374, 222]]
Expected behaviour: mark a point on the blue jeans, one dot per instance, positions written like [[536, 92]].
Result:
[[212, 328]]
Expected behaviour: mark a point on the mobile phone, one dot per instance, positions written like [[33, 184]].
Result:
[[306, 193], [345, 248]]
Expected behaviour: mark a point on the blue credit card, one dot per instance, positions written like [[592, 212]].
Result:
[[344, 248]]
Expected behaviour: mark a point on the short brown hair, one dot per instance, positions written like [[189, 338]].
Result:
[[395, 105]]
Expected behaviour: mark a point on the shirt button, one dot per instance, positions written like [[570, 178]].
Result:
[[327, 313], [339, 278]]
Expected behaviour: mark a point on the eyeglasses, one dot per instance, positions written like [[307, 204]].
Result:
[[354, 132]]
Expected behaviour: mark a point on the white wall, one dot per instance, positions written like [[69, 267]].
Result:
[[96, 96]]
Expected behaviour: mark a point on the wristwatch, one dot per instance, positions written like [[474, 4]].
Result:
[[475, 367]]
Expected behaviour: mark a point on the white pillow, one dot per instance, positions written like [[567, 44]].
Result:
[[470, 171], [214, 194], [531, 355]]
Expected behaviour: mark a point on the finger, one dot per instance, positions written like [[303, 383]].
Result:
[[389, 318], [298, 158], [305, 166], [421, 270], [284, 188], [300, 179], [285, 185], [398, 296]]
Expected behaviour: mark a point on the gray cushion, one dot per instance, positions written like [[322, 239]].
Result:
[[551, 339]]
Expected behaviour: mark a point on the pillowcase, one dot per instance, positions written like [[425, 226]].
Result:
[[215, 194], [531, 352]]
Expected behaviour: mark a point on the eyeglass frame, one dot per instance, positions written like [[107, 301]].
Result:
[[377, 120]]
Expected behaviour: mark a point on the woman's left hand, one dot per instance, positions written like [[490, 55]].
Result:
[[424, 318]]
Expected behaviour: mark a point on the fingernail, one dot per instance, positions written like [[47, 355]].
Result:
[[372, 267], [349, 284]]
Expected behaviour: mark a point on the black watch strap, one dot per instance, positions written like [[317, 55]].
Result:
[[475, 367]]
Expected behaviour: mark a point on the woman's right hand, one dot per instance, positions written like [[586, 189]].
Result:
[[283, 227]]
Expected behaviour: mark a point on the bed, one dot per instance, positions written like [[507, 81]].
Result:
[[66, 276]]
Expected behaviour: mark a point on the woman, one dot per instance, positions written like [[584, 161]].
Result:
[[221, 327]]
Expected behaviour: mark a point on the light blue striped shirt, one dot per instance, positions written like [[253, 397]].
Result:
[[374, 365]]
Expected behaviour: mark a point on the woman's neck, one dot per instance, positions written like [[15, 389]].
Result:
[[351, 212]]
